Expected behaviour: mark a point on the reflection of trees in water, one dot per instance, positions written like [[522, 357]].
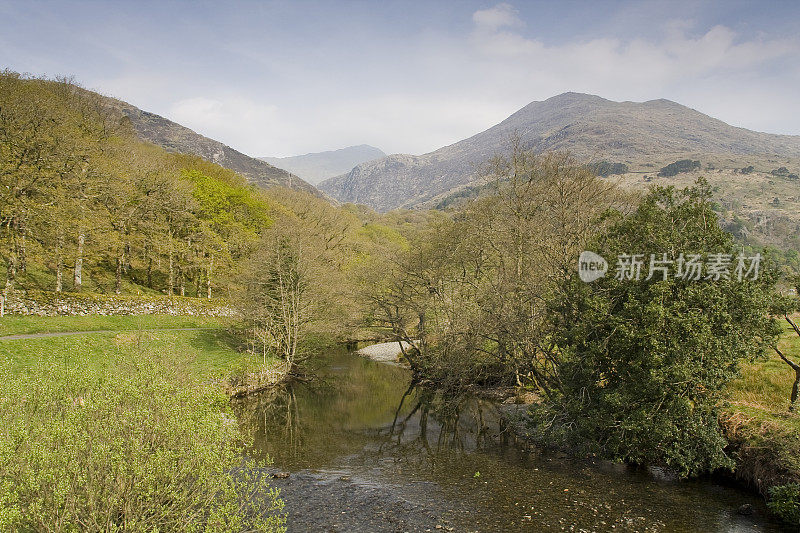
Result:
[[274, 413], [310, 424], [436, 422]]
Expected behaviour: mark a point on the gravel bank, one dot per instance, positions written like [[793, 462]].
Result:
[[385, 352]]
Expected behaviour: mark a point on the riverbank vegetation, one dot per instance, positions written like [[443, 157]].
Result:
[[635, 368], [125, 431]]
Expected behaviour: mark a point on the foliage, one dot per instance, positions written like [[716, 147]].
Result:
[[134, 447], [469, 292], [299, 283], [606, 168], [784, 501], [747, 170], [84, 195], [678, 167], [643, 363]]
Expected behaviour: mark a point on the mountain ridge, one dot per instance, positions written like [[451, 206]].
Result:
[[589, 126], [175, 137]]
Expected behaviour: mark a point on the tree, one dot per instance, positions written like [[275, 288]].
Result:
[[678, 167], [784, 306], [642, 363], [470, 294], [275, 304]]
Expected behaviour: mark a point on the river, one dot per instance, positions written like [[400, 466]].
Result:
[[366, 453]]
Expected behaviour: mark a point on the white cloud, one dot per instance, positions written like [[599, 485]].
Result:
[[678, 63], [424, 91], [237, 121], [500, 16]]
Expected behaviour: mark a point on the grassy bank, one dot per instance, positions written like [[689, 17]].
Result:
[[764, 434], [125, 430]]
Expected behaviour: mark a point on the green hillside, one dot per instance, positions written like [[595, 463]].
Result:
[[89, 207]]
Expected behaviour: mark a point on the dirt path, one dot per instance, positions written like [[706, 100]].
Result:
[[44, 335]]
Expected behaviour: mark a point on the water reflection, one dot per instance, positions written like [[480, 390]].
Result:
[[367, 420]]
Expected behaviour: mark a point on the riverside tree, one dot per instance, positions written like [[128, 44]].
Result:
[[642, 363], [470, 294], [785, 306]]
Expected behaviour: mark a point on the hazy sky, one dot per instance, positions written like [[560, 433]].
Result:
[[284, 78]]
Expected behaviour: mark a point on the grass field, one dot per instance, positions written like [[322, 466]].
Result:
[[207, 353], [765, 385], [13, 325]]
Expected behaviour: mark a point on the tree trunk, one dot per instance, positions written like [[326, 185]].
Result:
[[23, 245], [118, 278], [796, 368], [208, 277], [77, 279], [11, 272], [150, 272], [60, 262], [171, 276], [126, 254]]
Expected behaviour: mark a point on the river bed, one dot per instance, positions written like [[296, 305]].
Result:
[[367, 453]]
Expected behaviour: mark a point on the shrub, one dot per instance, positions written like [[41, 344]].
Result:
[[132, 448], [780, 172], [784, 501], [678, 167], [605, 168]]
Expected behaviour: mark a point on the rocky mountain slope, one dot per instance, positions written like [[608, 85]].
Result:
[[592, 128], [176, 138], [316, 167]]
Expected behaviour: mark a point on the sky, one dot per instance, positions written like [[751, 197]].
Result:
[[285, 78]]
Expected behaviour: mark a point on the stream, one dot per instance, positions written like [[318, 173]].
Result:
[[367, 453]]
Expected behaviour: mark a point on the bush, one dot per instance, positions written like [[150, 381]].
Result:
[[678, 167], [784, 501], [132, 448], [605, 168], [780, 172]]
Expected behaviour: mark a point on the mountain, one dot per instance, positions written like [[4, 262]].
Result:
[[591, 127], [176, 138], [316, 167]]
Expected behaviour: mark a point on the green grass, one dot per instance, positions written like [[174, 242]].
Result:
[[765, 385], [206, 354], [757, 420], [12, 325]]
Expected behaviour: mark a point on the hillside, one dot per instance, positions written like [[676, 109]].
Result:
[[176, 138], [96, 209], [593, 128], [316, 167]]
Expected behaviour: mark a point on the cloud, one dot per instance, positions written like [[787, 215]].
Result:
[[350, 77], [500, 16], [237, 121], [443, 88], [679, 55], [674, 61]]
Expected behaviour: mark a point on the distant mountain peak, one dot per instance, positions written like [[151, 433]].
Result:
[[317, 166], [589, 126]]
